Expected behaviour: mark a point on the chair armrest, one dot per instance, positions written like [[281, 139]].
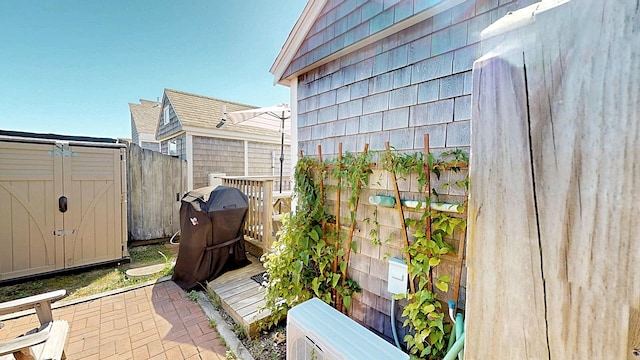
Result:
[[28, 340], [41, 303]]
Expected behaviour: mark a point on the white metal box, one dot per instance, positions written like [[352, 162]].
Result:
[[315, 330], [398, 275]]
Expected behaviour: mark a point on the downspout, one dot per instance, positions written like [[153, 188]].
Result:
[[189, 145], [293, 86], [246, 158]]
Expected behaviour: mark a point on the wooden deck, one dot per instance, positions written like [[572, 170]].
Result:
[[241, 297]]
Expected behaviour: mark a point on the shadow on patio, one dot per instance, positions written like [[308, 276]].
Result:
[[153, 322]]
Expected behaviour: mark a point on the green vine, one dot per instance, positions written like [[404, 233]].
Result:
[[302, 261], [423, 314], [374, 232], [354, 170]]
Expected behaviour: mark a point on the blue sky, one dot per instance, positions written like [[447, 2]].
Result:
[[72, 67]]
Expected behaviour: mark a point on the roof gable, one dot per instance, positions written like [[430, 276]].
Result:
[[329, 29], [145, 115]]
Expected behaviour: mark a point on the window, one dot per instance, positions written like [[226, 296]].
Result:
[[173, 147], [166, 115]]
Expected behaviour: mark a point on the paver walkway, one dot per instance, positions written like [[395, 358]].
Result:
[[154, 322]]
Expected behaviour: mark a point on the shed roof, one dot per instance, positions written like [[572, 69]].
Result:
[[199, 111], [145, 115]]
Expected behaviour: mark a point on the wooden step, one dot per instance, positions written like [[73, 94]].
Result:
[[253, 247], [241, 297]]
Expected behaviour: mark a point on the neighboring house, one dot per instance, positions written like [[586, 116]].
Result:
[[144, 121], [187, 129], [376, 71]]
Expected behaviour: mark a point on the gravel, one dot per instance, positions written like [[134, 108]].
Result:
[[271, 345]]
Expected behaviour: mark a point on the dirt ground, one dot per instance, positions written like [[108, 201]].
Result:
[[271, 345]]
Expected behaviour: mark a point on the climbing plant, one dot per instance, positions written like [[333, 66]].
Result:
[[423, 314], [311, 255], [352, 173], [310, 258]]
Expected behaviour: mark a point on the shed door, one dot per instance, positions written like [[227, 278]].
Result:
[[94, 220], [30, 181], [35, 236]]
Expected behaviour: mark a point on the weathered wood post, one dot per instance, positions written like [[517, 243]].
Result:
[[554, 213]]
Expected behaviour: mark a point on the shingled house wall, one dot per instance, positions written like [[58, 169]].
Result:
[[233, 150], [226, 156], [413, 82]]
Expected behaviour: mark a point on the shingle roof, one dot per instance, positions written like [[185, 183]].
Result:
[[145, 115], [205, 112]]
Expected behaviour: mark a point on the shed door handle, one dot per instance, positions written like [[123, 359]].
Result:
[[62, 204]]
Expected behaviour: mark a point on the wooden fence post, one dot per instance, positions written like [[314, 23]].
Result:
[[553, 256]]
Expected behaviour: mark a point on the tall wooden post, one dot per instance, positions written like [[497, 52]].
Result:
[[553, 253]]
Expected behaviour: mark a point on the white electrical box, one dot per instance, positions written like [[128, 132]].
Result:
[[398, 276]]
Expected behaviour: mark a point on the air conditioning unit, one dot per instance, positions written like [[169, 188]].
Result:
[[316, 331]]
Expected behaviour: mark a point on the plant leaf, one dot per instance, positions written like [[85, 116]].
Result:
[[334, 280], [343, 266], [347, 301], [434, 261], [443, 286]]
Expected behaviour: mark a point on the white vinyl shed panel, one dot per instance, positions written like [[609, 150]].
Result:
[[37, 236]]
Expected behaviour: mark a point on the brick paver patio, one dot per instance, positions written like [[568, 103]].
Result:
[[154, 322]]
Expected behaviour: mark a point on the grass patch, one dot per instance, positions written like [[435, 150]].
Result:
[[239, 331], [91, 282], [215, 301]]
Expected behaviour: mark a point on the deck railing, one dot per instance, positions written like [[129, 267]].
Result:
[[262, 214]]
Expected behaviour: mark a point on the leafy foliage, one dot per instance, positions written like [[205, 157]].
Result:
[[300, 263], [423, 314]]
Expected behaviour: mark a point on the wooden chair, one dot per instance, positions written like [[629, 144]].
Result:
[[47, 341]]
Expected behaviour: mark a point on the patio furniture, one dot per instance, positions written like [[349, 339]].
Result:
[[45, 342]]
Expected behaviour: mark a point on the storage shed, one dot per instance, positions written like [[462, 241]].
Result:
[[63, 202]]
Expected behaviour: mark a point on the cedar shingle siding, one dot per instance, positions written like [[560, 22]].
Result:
[[410, 83], [213, 149], [181, 146], [134, 132], [154, 146], [172, 127], [264, 159], [212, 155], [397, 89]]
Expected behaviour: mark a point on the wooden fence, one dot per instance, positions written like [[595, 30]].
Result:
[[156, 183]]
